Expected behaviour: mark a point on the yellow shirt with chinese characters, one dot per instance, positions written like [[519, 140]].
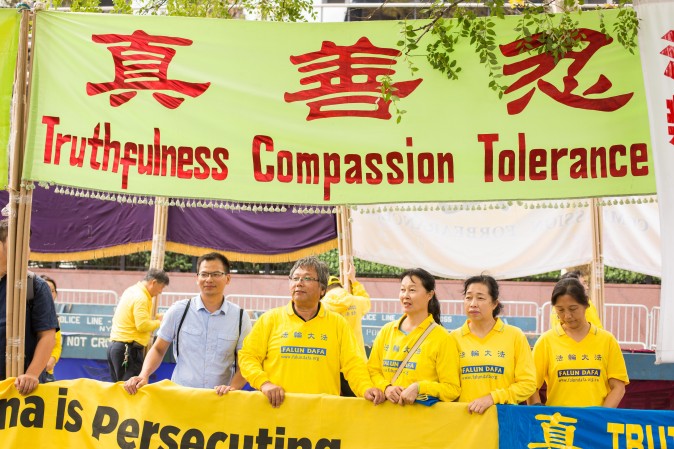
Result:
[[435, 364], [303, 356], [499, 364], [577, 373]]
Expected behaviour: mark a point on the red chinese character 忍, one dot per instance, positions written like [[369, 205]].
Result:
[[345, 79], [141, 65], [544, 63], [670, 119]]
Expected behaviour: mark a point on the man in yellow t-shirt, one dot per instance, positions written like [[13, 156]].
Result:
[[302, 347], [352, 306], [132, 325]]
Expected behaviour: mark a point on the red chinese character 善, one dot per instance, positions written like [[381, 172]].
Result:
[[544, 63], [143, 65], [347, 76]]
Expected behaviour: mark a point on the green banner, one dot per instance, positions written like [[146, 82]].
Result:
[[9, 36], [291, 113]]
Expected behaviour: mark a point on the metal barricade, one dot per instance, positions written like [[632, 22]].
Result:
[[83, 296], [655, 325], [544, 322], [629, 323], [523, 314]]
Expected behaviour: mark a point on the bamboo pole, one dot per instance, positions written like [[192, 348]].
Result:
[[158, 254], [345, 246], [16, 295], [597, 265]]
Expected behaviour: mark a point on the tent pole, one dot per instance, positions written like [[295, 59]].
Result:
[[597, 265]]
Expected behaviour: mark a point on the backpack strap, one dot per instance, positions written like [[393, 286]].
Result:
[[30, 288], [180, 325], [236, 351]]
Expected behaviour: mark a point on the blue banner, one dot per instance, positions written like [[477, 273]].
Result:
[[584, 428]]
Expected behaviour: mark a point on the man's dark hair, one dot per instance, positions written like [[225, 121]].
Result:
[[4, 230], [322, 270], [157, 275], [214, 256]]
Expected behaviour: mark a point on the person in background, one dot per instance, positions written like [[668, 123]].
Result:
[[132, 325], [581, 364], [432, 372], [302, 347], [41, 325], [496, 362], [207, 332], [352, 306], [58, 347], [591, 313]]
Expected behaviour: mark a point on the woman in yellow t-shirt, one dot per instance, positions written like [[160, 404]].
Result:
[[581, 364], [495, 357], [432, 372]]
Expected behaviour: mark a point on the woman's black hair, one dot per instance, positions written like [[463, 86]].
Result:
[[48, 279], [492, 286], [572, 287], [428, 281]]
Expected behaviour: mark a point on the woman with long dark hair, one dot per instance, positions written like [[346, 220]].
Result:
[[431, 372]]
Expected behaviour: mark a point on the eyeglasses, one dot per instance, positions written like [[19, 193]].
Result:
[[297, 279], [214, 274]]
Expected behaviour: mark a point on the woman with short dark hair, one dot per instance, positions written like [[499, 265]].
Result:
[[496, 362], [581, 364]]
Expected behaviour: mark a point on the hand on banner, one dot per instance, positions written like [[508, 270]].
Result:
[[223, 389], [26, 383], [375, 395], [480, 405], [274, 393], [393, 393], [134, 384], [409, 394]]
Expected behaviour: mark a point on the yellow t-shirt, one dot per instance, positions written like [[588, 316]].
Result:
[[58, 347], [577, 373], [499, 364], [303, 356], [132, 320], [435, 364], [352, 307]]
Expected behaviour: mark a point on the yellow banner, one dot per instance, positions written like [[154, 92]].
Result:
[[86, 413]]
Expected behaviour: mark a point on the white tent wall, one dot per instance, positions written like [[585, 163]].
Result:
[[507, 241], [631, 236], [656, 47]]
